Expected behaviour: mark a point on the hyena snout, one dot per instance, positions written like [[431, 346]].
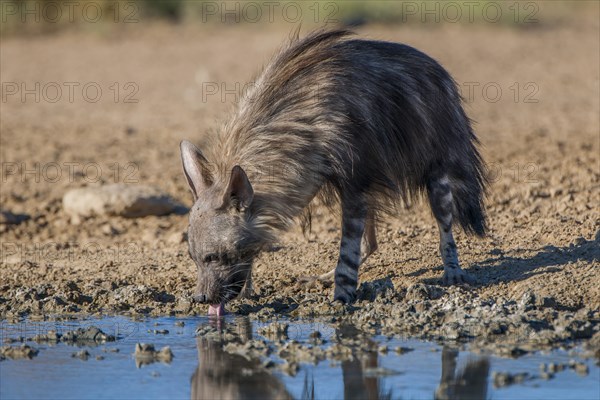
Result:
[[208, 289], [219, 287], [205, 297], [200, 298], [208, 296]]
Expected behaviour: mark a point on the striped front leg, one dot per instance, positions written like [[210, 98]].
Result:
[[354, 213]]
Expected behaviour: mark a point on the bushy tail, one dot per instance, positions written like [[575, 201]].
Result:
[[468, 180]]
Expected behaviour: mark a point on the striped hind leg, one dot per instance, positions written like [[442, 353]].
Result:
[[354, 219], [368, 246], [440, 199]]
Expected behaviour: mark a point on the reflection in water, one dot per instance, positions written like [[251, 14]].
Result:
[[469, 383], [357, 384], [221, 375], [232, 376]]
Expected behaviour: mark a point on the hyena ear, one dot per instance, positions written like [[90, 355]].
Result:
[[195, 168], [239, 191]]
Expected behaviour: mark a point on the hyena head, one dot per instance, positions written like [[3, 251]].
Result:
[[219, 240]]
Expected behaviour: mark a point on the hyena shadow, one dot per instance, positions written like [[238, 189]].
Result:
[[548, 259]]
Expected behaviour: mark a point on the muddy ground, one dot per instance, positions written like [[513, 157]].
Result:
[[533, 92]]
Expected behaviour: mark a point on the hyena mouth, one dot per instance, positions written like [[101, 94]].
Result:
[[216, 305], [232, 291], [217, 310]]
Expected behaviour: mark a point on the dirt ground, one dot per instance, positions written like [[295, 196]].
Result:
[[534, 94]]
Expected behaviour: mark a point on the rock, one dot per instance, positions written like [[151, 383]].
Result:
[[546, 376], [130, 201], [109, 230], [83, 355], [511, 351], [581, 329], [15, 353], [184, 304], [159, 331], [581, 369], [52, 336], [8, 218], [527, 301], [419, 291], [146, 354], [546, 302], [252, 349], [111, 350], [177, 238], [18, 339], [553, 368], [497, 328], [275, 331], [130, 295], [315, 335], [289, 368], [502, 379], [83, 336], [422, 306], [369, 291], [403, 350], [339, 352]]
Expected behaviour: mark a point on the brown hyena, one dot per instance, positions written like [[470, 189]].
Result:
[[360, 122]]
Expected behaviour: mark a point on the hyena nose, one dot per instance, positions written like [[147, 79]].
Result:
[[200, 298]]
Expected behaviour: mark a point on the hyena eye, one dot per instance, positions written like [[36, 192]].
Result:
[[210, 258]]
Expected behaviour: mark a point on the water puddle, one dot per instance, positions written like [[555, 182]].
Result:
[[240, 358]]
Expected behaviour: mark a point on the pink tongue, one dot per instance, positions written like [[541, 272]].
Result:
[[216, 309]]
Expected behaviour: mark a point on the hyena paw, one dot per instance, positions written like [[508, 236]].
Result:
[[344, 295], [456, 276]]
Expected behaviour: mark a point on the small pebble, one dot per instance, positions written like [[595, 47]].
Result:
[[546, 376], [403, 350], [82, 355], [159, 331], [582, 369], [111, 350]]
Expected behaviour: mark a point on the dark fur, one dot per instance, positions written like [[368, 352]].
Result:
[[345, 118], [380, 118]]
